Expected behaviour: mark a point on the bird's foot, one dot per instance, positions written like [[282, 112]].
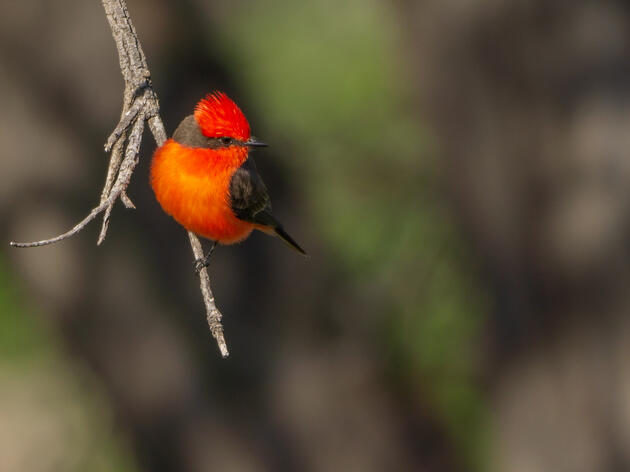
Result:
[[199, 264], [203, 262]]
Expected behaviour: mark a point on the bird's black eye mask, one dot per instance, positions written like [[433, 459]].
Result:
[[188, 134]]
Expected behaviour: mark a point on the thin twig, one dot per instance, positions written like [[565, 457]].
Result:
[[78, 227], [124, 123], [140, 104], [125, 170], [213, 314], [114, 164]]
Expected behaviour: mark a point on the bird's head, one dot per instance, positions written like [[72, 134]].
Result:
[[219, 117], [217, 124]]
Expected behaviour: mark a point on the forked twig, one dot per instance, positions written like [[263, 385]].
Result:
[[140, 105]]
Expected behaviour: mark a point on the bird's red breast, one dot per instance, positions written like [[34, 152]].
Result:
[[192, 185]]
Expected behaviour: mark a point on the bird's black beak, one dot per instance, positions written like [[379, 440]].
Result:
[[253, 143]]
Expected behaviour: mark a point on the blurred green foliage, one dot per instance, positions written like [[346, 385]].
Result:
[[49, 402], [21, 337], [330, 79]]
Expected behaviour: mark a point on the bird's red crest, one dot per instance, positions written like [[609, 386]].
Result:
[[217, 116]]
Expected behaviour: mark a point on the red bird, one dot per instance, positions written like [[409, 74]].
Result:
[[205, 178]]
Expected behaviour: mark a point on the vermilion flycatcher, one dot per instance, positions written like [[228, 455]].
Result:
[[205, 178]]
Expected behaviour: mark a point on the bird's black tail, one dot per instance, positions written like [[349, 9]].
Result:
[[282, 234]]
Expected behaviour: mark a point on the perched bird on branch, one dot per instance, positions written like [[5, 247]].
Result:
[[205, 178]]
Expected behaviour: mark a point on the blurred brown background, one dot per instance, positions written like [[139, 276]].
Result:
[[458, 173]]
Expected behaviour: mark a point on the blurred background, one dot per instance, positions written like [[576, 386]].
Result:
[[458, 172]]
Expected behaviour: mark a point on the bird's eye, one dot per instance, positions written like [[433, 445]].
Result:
[[226, 140]]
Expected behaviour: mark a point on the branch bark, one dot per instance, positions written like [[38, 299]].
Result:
[[140, 106]]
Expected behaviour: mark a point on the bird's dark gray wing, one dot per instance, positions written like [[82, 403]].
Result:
[[248, 196], [250, 202]]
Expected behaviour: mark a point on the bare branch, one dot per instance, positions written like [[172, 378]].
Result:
[[124, 172], [140, 104], [213, 314], [124, 123], [157, 128], [127, 201], [78, 227], [114, 165]]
